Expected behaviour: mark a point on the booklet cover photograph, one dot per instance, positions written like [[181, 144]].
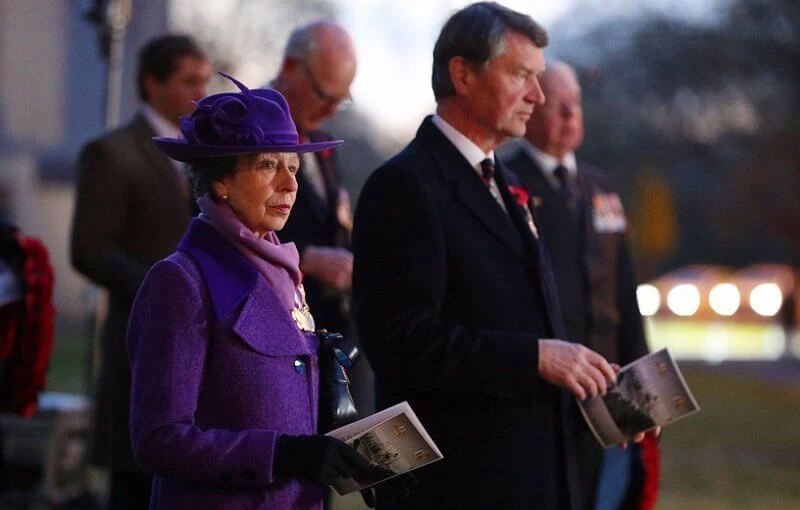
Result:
[[393, 441], [650, 391]]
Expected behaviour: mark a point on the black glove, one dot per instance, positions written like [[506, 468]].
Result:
[[391, 491], [318, 458]]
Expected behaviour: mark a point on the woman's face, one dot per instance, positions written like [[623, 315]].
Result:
[[262, 190]]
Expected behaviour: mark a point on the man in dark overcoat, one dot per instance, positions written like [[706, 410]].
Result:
[[453, 295], [132, 208]]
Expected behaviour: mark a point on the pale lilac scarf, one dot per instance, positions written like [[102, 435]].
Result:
[[278, 263]]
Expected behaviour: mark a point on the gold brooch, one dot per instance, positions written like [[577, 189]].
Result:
[[301, 313]]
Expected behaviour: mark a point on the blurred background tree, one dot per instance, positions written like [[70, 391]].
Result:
[[698, 123], [245, 37]]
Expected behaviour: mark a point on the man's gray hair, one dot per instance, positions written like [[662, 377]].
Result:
[[302, 42], [477, 33]]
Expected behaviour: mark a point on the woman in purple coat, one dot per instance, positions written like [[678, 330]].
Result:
[[221, 343]]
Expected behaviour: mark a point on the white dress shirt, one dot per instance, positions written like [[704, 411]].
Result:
[[471, 152], [162, 127], [548, 163]]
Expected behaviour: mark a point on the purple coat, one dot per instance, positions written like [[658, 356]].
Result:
[[220, 370]]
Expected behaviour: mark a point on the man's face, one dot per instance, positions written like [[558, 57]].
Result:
[[173, 97], [318, 87], [502, 96], [557, 127]]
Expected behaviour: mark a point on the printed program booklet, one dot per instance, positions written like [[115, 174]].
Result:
[[649, 392], [393, 441]]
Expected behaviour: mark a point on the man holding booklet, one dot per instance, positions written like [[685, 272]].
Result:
[[454, 296]]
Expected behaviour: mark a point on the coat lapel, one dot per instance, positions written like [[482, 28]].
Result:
[[232, 280], [228, 275], [539, 256], [515, 213], [277, 336], [544, 196], [530, 173], [468, 187]]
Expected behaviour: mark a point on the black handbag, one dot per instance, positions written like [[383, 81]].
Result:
[[336, 356]]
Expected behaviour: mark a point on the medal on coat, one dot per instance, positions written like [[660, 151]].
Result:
[[301, 313], [529, 220], [343, 214], [608, 216]]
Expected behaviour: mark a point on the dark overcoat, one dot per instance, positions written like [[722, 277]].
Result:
[[131, 210], [220, 371], [451, 298]]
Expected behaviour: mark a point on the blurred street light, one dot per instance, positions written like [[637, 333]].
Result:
[[766, 299], [725, 299], [684, 299], [649, 299], [717, 313], [771, 291]]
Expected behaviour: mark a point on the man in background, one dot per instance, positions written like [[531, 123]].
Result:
[[584, 229], [318, 67], [132, 209]]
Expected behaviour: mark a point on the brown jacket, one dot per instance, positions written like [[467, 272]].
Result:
[[131, 211]]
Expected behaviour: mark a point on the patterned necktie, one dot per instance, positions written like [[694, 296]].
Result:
[[487, 176], [487, 170]]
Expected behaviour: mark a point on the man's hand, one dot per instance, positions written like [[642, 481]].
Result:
[[574, 367], [331, 266]]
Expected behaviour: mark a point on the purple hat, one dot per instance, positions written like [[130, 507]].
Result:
[[234, 123]]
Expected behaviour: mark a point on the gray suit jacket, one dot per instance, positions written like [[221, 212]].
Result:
[[131, 211]]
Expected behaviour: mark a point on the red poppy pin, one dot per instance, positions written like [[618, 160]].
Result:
[[520, 195]]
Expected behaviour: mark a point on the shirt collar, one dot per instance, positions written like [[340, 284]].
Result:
[[548, 163], [471, 152], [161, 126]]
